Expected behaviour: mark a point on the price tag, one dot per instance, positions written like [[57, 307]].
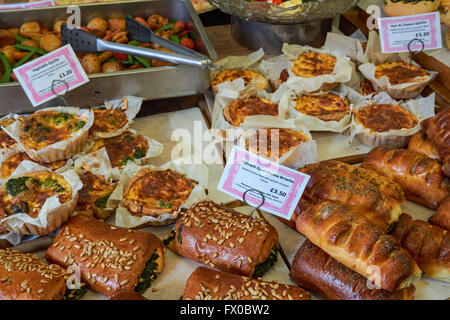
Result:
[[397, 32], [38, 76], [34, 4], [281, 186]]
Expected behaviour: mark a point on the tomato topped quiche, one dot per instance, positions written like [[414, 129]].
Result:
[[385, 117], [12, 162], [313, 64], [108, 120], [236, 111], [326, 107]]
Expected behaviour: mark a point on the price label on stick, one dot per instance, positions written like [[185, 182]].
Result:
[[397, 32], [55, 73], [281, 186]]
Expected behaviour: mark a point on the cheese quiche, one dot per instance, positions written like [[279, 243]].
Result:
[[6, 142], [366, 88], [249, 77], [312, 64], [385, 117], [326, 107], [236, 111], [153, 193], [400, 72], [108, 120]]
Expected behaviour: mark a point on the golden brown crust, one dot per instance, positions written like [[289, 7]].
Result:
[[249, 77], [6, 142], [442, 216], [223, 238], [421, 178], [419, 143], [400, 72], [236, 111], [205, 284], [12, 162], [23, 276], [358, 244], [385, 117], [108, 120], [327, 106], [129, 295], [366, 88], [313, 64], [111, 259], [315, 270], [429, 245], [156, 192]]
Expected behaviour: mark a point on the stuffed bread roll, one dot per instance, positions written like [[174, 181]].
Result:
[[441, 217], [419, 143], [357, 243], [111, 259], [225, 239], [323, 275], [209, 284]]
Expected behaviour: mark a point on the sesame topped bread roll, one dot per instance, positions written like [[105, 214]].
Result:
[[111, 259], [225, 239], [209, 284]]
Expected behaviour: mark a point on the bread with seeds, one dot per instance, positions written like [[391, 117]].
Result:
[[225, 239], [111, 259], [206, 284]]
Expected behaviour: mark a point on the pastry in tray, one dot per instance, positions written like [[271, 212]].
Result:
[[6, 142], [236, 111], [316, 271], [366, 88], [420, 177], [419, 143], [111, 259], [208, 284], [441, 217], [251, 78], [429, 245], [357, 243], [373, 195], [26, 277], [325, 106], [224, 239], [156, 192]]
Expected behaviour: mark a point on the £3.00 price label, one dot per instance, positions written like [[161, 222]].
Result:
[[38, 76], [281, 186]]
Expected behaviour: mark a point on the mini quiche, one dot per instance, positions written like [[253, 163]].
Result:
[[108, 120], [94, 195], [400, 72], [250, 78], [153, 193], [236, 111], [6, 142], [326, 107], [123, 148], [27, 194], [366, 88]]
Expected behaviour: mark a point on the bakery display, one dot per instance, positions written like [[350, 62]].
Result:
[[208, 284]]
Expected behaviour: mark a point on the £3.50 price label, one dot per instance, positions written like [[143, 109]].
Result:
[[281, 186]]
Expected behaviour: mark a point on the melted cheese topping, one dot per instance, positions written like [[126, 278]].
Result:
[[385, 117], [12, 162], [108, 120], [399, 72], [6, 142], [236, 111], [247, 75], [44, 128], [327, 107], [123, 148], [366, 88], [280, 140], [313, 64], [156, 192], [28, 193]]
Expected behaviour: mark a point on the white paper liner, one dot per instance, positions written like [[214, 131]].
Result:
[[239, 62], [345, 46], [421, 108], [134, 105], [8, 116], [13, 238], [52, 214], [62, 149], [196, 172], [315, 124]]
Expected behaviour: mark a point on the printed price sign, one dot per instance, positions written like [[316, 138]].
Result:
[[281, 186], [59, 69], [397, 32], [34, 4]]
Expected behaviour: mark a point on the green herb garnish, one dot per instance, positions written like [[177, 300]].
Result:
[[101, 202], [163, 204], [15, 186], [139, 153]]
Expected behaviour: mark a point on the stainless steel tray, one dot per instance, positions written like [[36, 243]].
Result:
[[152, 84]]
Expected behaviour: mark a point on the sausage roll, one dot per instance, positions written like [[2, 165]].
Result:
[[421, 178], [111, 259], [225, 239], [316, 271], [429, 246], [209, 284], [419, 143], [357, 243], [441, 217], [236, 111]]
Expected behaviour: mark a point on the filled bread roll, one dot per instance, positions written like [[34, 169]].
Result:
[[441, 217]]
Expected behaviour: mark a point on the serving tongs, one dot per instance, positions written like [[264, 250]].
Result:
[[83, 41]]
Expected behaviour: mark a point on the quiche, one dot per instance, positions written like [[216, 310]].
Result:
[[400, 72], [249, 77], [6, 142], [236, 111], [366, 88], [108, 120], [385, 117], [153, 193], [326, 107], [312, 64], [281, 140], [123, 148]]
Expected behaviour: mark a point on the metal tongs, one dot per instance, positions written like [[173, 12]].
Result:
[[83, 41]]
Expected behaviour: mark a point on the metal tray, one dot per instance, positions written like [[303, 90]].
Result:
[[152, 84]]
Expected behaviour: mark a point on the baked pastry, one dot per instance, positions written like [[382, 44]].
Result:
[[400, 72], [129, 295], [6, 142], [357, 243], [394, 8], [421, 178], [441, 217], [325, 106], [156, 192], [366, 88], [236, 111], [111, 259], [224, 239], [208, 284], [313, 269], [429, 246], [368, 192], [250, 78], [419, 143], [437, 129], [108, 120]]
